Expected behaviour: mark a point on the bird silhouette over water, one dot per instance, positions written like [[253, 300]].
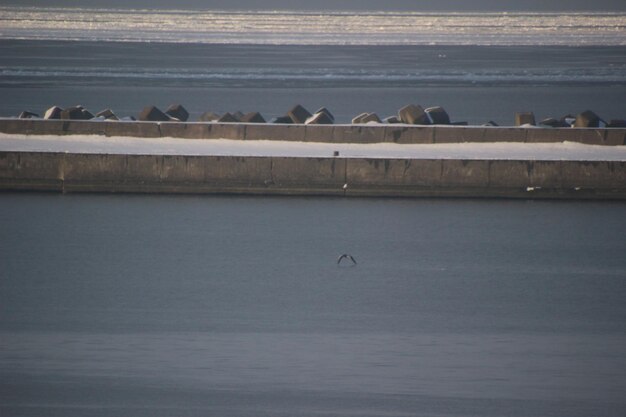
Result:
[[346, 256]]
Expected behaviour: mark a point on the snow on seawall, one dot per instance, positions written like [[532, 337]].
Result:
[[93, 144]]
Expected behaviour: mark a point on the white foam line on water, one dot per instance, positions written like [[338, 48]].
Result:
[[93, 144], [604, 75], [320, 27]]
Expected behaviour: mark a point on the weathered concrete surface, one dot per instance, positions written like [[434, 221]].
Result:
[[465, 173], [398, 133], [615, 137], [551, 135], [31, 171], [286, 132], [32, 126], [358, 134], [587, 174], [134, 129], [504, 134], [227, 131], [452, 134], [404, 134], [399, 177], [69, 172], [316, 176], [185, 130], [321, 133], [545, 174], [509, 174], [591, 136]]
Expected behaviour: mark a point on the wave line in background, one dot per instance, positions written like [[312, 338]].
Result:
[[319, 28], [91, 75]]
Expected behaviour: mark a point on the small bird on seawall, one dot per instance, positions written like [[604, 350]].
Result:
[[346, 256]]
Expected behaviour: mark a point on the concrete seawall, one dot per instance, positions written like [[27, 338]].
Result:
[[299, 175], [74, 172], [398, 133]]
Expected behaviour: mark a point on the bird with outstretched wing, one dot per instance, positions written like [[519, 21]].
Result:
[[346, 256]]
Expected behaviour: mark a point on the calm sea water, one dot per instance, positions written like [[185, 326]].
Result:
[[233, 306], [474, 83], [224, 306], [479, 66]]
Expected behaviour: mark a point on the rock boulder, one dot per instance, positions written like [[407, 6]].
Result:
[[552, 122], [357, 119], [616, 123], [391, 119], [153, 114], [53, 113], [27, 115], [298, 114], [107, 114], [413, 115], [282, 120], [438, 115], [321, 118], [568, 119], [366, 118], [177, 111], [253, 117], [327, 112], [228, 118], [588, 119], [75, 113], [525, 118], [209, 117]]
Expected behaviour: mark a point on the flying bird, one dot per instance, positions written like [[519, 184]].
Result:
[[346, 256]]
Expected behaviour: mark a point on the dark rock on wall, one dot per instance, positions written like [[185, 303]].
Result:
[[153, 114]]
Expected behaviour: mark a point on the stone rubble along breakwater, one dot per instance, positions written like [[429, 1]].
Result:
[[334, 174], [330, 133], [411, 114]]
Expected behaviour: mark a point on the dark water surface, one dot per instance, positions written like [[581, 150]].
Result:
[[474, 83], [235, 306]]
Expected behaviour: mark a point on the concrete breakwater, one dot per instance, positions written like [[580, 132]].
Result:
[[147, 172], [332, 176], [369, 133]]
